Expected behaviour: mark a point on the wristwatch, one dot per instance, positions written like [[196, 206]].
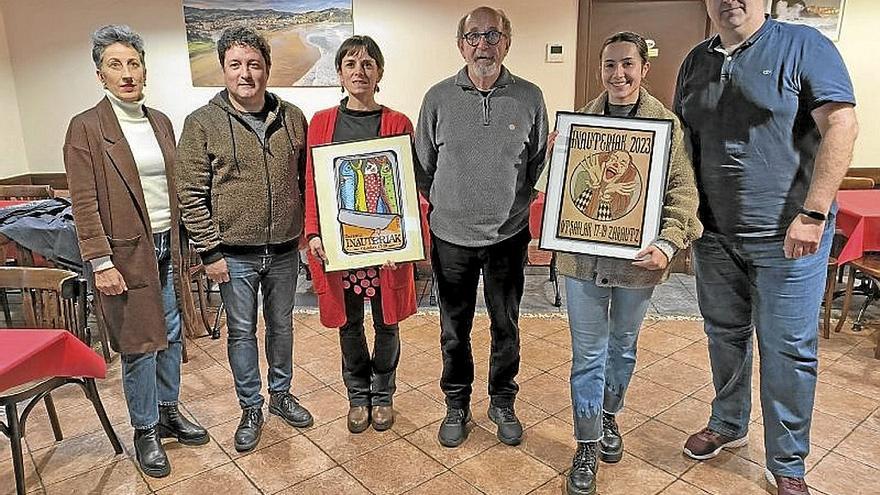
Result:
[[815, 215]]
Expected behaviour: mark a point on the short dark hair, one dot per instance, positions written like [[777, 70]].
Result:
[[107, 35], [627, 37], [243, 36], [505, 21], [357, 43]]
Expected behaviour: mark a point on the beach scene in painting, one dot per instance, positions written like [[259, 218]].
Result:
[[303, 36]]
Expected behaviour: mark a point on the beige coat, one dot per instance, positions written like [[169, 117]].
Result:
[[112, 220], [679, 224]]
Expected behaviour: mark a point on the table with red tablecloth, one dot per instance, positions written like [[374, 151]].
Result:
[[858, 217], [28, 355]]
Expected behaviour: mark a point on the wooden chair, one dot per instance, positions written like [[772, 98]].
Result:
[[869, 267], [834, 269], [25, 192], [857, 183], [50, 298]]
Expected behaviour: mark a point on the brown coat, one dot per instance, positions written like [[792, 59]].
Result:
[[112, 220]]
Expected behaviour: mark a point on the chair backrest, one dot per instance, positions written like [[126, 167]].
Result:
[[50, 298], [23, 191], [857, 183]]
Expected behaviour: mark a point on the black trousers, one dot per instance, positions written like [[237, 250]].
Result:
[[369, 380], [457, 269]]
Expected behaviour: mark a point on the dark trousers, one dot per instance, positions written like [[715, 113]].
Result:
[[370, 381], [457, 269]]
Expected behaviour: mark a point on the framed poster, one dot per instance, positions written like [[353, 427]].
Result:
[[368, 205], [303, 36], [824, 15], [606, 184]]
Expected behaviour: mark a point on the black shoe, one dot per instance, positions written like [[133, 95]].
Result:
[[173, 424], [584, 466], [285, 405], [509, 428], [454, 429], [247, 435], [611, 444], [150, 454]]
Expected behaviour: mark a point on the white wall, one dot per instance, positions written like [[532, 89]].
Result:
[[858, 44], [13, 160], [55, 76]]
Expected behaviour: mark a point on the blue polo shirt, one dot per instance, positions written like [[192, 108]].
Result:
[[748, 115]]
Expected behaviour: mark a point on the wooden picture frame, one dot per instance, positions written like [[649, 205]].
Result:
[[368, 204], [606, 184], [824, 15]]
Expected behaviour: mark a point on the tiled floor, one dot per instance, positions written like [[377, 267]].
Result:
[[669, 398]]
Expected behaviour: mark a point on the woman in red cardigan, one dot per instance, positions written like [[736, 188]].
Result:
[[390, 288]]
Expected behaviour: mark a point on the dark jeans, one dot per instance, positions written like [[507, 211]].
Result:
[[370, 381], [457, 269], [273, 275]]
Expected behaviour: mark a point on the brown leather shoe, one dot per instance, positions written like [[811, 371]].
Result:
[[787, 486], [383, 417], [707, 444], [358, 418]]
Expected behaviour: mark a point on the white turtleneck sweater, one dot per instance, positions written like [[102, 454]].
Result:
[[150, 165]]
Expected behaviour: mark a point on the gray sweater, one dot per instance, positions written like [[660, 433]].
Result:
[[480, 157]]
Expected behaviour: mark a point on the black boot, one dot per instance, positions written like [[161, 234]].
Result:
[[247, 435], [611, 444], [172, 424], [454, 428], [584, 466], [150, 454]]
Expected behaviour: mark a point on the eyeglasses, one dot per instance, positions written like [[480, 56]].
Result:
[[492, 37]]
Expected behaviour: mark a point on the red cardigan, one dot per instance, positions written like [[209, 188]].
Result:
[[397, 286]]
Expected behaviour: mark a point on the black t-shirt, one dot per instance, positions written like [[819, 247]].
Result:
[[356, 124]]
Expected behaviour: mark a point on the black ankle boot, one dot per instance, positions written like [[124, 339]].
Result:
[[150, 454], [172, 424], [584, 467], [611, 444]]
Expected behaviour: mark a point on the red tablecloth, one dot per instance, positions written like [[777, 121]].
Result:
[[858, 218], [12, 202], [27, 355], [536, 216]]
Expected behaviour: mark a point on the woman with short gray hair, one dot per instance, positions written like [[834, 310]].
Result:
[[119, 156]]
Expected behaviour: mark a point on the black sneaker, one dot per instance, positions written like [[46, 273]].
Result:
[[584, 466], [611, 444], [285, 405], [454, 429], [247, 435], [510, 430]]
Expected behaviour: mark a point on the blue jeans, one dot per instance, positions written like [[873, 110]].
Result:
[[153, 378], [743, 284], [604, 324], [275, 276]]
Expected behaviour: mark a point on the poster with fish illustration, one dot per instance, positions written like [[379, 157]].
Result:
[[368, 205], [606, 182]]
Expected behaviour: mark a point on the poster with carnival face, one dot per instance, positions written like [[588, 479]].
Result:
[[606, 184], [368, 206]]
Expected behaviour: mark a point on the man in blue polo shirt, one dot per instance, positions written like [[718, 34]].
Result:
[[769, 110]]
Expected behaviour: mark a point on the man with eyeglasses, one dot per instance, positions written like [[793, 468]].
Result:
[[480, 142]]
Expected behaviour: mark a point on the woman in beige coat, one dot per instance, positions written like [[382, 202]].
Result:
[[119, 157], [607, 298]]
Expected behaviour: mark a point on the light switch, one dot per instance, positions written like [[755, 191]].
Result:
[[554, 53]]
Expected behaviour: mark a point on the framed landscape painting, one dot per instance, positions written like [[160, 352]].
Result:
[[824, 15], [303, 36], [606, 184], [368, 205]]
